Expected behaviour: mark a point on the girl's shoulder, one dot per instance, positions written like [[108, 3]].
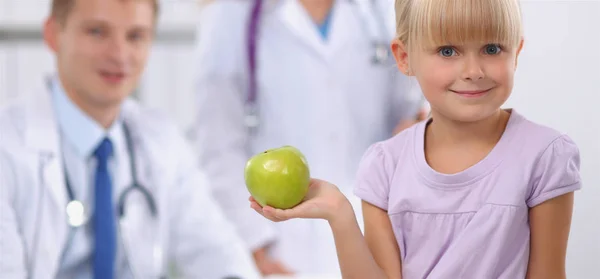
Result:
[[379, 163], [400, 142], [534, 139], [551, 158], [397, 148]]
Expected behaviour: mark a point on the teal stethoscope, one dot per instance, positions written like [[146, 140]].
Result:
[[380, 47]]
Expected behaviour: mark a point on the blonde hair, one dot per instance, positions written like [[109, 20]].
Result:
[[433, 23]]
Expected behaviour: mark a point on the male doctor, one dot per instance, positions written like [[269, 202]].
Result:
[[71, 149]]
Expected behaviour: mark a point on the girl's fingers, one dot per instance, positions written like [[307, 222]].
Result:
[[256, 207], [282, 214], [266, 211], [269, 211], [274, 213]]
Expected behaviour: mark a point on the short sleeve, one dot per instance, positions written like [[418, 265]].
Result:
[[373, 177], [556, 172]]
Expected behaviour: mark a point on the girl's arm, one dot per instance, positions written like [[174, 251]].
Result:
[[354, 254], [381, 240], [550, 225], [375, 256]]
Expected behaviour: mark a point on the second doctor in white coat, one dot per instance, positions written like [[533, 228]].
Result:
[[49, 138], [319, 88]]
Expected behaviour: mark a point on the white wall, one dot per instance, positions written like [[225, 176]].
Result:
[[557, 83]]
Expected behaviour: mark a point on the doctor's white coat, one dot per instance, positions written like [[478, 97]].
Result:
[[192, 230]]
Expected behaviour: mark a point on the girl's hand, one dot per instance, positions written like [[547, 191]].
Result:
[[323, 201]]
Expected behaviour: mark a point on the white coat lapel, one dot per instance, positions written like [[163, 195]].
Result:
[[345, 25], [342, 27], [42, 136], [140, 231], [297, 20]]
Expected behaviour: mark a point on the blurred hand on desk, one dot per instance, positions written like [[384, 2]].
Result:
[[406, 123], [269, 266]]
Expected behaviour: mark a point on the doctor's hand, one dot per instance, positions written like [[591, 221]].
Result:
[[406, 123], [267, 265], [323, 201]]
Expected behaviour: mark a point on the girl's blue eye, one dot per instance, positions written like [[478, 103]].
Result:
[[492, 49], [447, 51]]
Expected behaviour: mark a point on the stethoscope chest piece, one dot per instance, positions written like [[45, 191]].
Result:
[[251, 117], [76, 214], [381, 53]]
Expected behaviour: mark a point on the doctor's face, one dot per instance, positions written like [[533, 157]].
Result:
[[101, 48]]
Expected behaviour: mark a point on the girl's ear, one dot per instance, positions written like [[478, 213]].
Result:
[[401, 55]]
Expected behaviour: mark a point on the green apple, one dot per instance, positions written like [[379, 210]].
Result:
[[278, 177]]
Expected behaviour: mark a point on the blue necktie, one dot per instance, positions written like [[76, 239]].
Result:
[[104, 216]]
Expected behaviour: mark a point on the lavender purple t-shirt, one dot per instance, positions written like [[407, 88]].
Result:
[[472, 224]]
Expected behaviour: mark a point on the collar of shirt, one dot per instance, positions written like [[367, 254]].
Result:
[[325, 25], [78, 128], [80, 137]]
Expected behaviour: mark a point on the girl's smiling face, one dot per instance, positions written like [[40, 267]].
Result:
[[463, 53]]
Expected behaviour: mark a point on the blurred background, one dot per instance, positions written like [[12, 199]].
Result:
[[167, 83], [557, 83]]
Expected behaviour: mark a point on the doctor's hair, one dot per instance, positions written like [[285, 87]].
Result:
[[60, 9], [435, 23]]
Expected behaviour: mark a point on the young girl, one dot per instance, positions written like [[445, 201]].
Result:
[[476, 191]]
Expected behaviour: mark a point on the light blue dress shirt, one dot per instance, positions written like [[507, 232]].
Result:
[[80, 135]]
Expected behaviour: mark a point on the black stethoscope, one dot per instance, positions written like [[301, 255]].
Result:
[[78, 216], [381, 53]]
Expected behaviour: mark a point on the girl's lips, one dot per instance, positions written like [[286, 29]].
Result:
[[471, 93]]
